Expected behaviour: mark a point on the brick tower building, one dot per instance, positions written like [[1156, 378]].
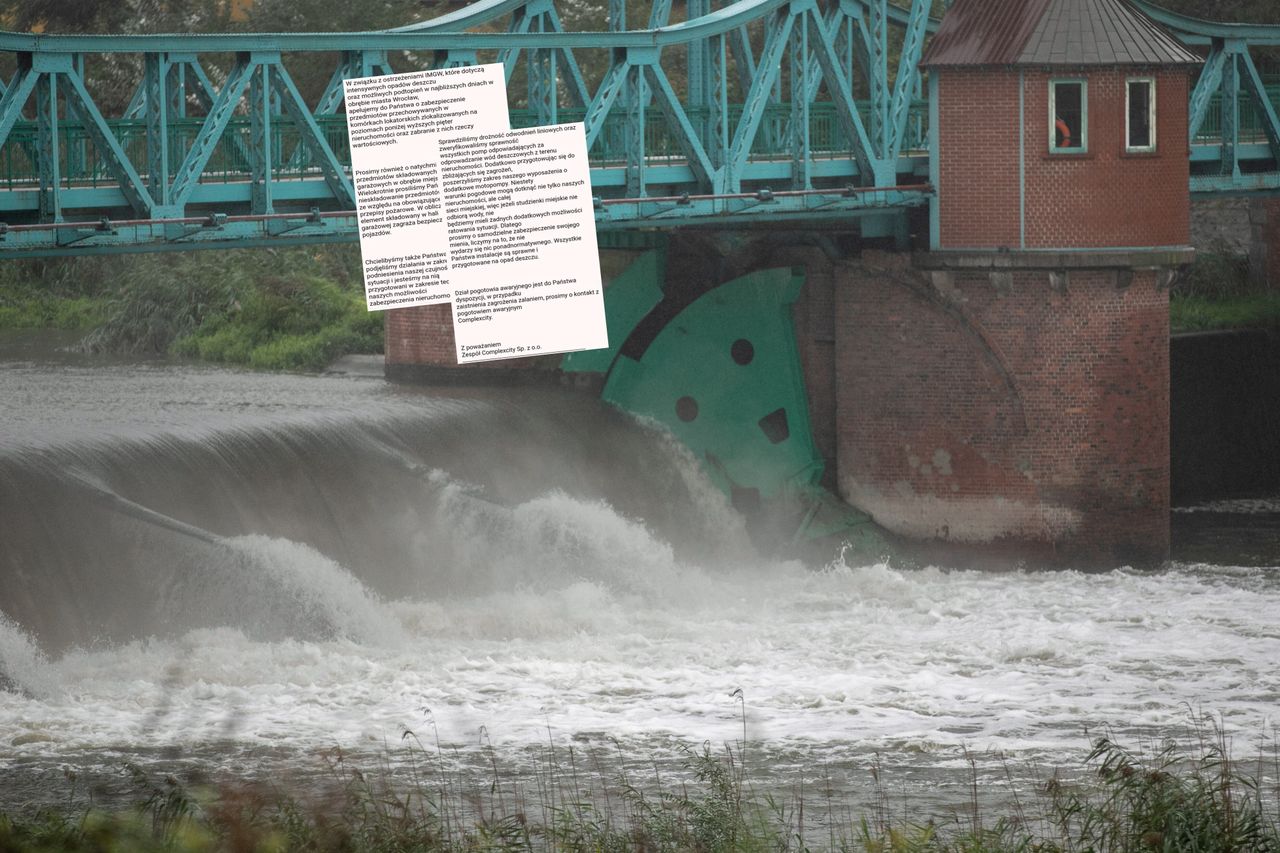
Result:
[[1011, 386], [1061, 124]]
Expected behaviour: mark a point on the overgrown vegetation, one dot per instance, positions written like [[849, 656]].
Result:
[[1218, 292], [285, 309], [1178, 798], [1250, 310]]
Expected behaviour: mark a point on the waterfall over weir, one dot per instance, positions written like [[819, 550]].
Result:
[[289, 524], [235, 572]]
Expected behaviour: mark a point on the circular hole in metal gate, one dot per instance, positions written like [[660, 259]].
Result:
[[742, 351], [686, 409]]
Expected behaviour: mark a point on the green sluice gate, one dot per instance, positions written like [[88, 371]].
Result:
[[723, 374]]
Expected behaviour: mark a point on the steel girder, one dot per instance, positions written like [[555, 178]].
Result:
[[1232, 119], [764, 100], [1232, 124], [766, 110]]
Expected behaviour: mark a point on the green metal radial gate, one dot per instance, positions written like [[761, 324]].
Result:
[[724, 376]]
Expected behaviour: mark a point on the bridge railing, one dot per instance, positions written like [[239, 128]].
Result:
[[81, 165], [1234, 121], [1252, 122], [773, 108]]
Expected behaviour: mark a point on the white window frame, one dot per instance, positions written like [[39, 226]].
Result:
[[1083, 147], [1151, 115]]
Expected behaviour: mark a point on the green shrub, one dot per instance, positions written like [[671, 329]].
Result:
[[300, 322], [1218, 292], [1201, 313], [278, 309], [29, 310], [1218, 272], [49, 295], [153, 310]]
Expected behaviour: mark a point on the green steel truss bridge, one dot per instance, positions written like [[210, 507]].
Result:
[[757, 112]]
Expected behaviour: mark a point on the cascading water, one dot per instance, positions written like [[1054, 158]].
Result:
[[240, 570]]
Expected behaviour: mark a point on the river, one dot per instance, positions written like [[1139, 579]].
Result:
[[216, 573]]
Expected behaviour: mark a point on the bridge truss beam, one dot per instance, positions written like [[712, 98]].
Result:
[[755, 111], [1232, 118]]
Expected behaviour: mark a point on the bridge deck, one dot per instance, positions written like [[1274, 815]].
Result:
[[762, 110]]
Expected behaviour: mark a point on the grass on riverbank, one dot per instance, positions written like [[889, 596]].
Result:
[[36, 295], [1246, 311], [1170, 801], [299, 308], [283, 309], [1217, 292]]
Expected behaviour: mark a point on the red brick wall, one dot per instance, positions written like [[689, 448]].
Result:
[[1012, 415], [814, 317], [1107, 197], [978, 158], [1102, 198], [423, 336]]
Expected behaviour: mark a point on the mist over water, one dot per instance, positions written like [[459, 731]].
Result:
[[244, 570]]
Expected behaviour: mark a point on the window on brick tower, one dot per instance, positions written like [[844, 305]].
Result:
[[1140, 114], [1068, 116]]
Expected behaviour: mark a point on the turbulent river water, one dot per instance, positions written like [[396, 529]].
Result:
[[211, 572]]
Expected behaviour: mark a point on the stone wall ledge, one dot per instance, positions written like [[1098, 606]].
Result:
[[1053, 259]]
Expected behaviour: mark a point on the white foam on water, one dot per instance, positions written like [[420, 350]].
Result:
[[583, 623], [275, 588], [1241, 506], [318, 586], [720, 524], [21, 661], [552, 540]]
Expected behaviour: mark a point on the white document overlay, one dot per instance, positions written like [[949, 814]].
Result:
[[522, 243], [455, 206], [392, 122]]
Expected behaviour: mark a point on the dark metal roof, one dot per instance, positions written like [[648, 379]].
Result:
[[1101, 32], [984, 32], [1052, 32]]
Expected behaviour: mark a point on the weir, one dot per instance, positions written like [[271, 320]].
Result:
[[213, 571], [1004, 388], [282, 524]]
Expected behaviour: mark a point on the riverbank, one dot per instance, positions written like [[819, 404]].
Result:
[[1184, 795], [301, 308], [1220, 291], [272, 309], [241, 574]]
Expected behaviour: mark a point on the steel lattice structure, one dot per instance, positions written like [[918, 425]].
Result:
[[762, 110], [1233, 125]]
